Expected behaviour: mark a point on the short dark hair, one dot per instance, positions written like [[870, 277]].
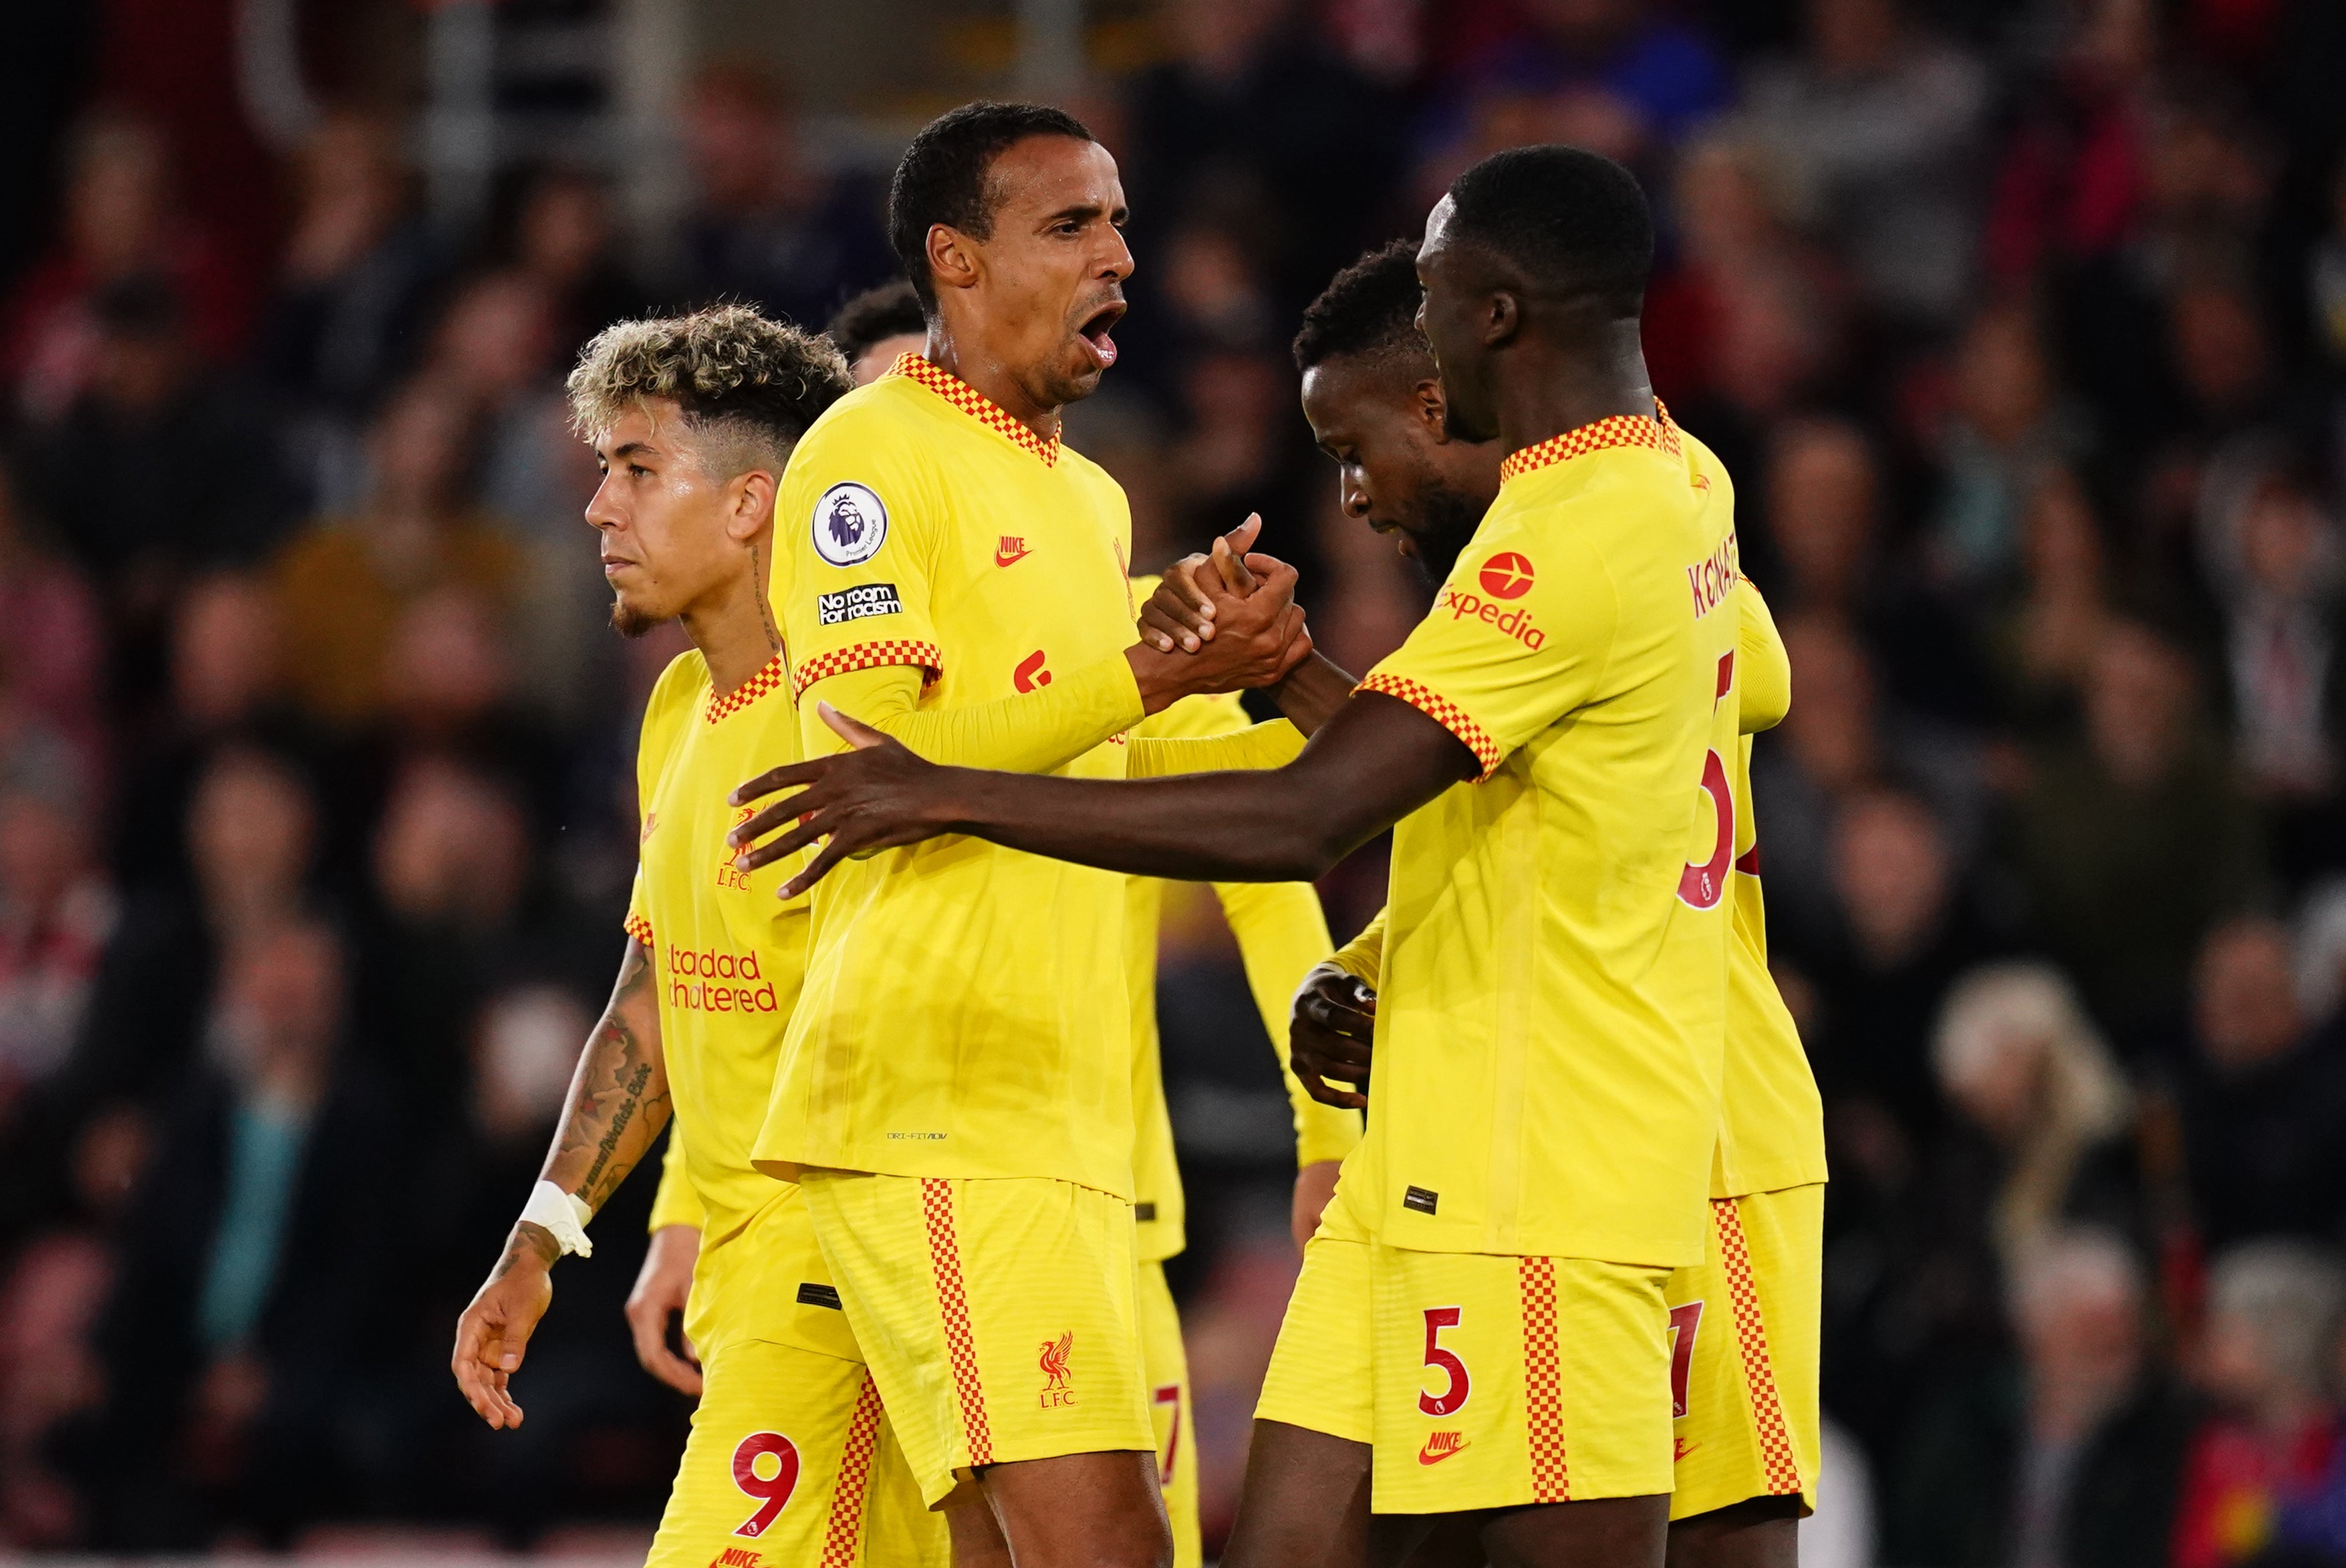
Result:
[[942, 177], [1573, 221], [1369, 308], [875, 315]]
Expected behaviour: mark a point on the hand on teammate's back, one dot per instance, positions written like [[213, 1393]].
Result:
[[1328, 1035]]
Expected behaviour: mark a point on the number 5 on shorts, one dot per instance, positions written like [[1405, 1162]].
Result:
[[1454, 1397]]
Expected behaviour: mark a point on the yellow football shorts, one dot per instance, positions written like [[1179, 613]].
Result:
[[1168, 1365], [1000, 1318], [1481, 1381], [1501, 1380], [1743, 1363], [1319, 1375], [792, 1461]]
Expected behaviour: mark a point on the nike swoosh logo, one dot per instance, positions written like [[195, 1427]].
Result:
[[1680, 1448], [1427, 1455], [1008, 557]]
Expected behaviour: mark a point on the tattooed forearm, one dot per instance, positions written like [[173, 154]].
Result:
[[629, 1099], [618, 1099]]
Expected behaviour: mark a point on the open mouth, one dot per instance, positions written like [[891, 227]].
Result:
[[1095, 329]]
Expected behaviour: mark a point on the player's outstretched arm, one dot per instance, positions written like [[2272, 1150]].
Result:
[[618, 1104], [1375, 762]]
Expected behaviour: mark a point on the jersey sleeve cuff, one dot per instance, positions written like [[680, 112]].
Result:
[[1324, 1134], [867, 656], [1444, 712], [641, 929]]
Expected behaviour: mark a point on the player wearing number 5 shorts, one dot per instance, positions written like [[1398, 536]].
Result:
[[1742, 1323], [791, 1458]]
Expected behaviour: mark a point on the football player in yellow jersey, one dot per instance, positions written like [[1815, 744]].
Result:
[[870, 330], [1550, 741], [1744, 1384], [954, 1088], [791, 1458], [1280, 935]]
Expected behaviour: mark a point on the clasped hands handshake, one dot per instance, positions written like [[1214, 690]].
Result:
[[1223, 621], [1231, 612]]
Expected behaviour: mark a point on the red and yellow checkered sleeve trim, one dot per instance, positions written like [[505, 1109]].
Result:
[[866, 655], [641, 929], [1620, 430], [978, 406], [768, 679], [1444, 712]]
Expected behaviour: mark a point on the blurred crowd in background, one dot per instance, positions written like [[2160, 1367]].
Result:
[[2022, 324]]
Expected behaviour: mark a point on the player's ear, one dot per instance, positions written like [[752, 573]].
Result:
[[1503, 318], [749, 503], [953, 259], [1426, 402]]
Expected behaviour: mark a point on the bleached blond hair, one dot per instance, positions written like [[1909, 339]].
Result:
[[748, 386]]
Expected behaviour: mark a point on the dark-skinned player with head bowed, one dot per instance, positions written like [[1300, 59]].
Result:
[[1549, 746], [954, 1091]]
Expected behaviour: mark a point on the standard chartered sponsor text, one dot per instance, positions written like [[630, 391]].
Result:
[[712, 981]]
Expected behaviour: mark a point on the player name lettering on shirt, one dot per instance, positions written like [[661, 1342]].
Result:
[[1711, 580], [710, 981], [856, 603], [1515, 621]]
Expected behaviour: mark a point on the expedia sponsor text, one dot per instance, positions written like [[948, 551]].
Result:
[[1515, 621]]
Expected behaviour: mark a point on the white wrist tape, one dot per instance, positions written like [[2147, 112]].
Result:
[[561, 1214]]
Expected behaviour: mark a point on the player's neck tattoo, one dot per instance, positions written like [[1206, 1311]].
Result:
[[765, 602]]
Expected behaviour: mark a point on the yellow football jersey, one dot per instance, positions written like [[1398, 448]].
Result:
[[1549, 1039], [1771, 1123], [965, 1011], [727, 958], [1281, 932]]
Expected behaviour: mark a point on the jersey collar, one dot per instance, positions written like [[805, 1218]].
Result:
[[775, 673], [1620, 430], [975, 404]]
